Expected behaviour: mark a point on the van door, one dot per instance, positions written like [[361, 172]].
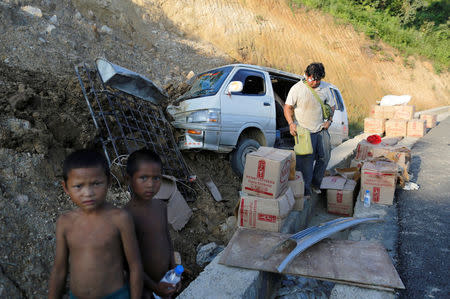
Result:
[[339, 128], [253, 106]]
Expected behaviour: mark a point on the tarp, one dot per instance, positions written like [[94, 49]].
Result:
[[129, 82]]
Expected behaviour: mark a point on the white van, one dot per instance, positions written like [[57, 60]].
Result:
[[237, 108]]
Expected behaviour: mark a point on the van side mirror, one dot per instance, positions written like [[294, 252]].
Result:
[[234, 86]]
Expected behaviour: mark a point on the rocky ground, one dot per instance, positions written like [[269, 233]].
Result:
[[43, 117]]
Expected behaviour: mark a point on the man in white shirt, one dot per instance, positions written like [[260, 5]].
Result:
[[302, 108]]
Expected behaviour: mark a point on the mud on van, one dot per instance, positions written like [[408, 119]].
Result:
[[238, 108]]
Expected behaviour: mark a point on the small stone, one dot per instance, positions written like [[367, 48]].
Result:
[[105, 29], [231, 221], [78, 16], [190, 75], [50, 28], [42, 40], [32, 10], [22, 199], [206, 253], [53, 20]]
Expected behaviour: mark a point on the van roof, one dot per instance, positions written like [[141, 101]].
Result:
[[272, 71], [267, 69]]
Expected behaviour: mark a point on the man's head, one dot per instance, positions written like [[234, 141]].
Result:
[[314, 73], [144, 171], [86, 179]]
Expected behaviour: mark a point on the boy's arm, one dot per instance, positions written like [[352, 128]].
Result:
[[131, 250], [171, 251], [59, 271], [163, 288]]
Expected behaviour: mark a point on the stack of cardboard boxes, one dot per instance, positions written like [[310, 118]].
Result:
[[380, 166], [396, 121], [267, 194]]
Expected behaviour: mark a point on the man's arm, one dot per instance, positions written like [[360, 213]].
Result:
[[289, 115], [59, 270], [132, 254], [328, 122]]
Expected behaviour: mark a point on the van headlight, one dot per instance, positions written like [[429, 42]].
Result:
[[201, 116]]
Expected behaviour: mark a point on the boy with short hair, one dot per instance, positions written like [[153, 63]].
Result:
[[94, 242], [150, 217]]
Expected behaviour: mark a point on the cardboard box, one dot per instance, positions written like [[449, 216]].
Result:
[[404, 112], [350, 173], [178, 211], [374, 125], [263, 213], [340, 201], [416, 128], [431, 120], [356, 164], [333, 182], [379, 177], [396, 127], [293, 164], [266, 172], [365, 149], [376, 111], [399, 154], [388, 112], [298, 188]]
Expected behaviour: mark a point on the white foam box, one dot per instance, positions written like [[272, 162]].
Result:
[[265, 213], [266, 172]]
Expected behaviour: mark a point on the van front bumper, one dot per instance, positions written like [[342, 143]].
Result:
[[194, 136]]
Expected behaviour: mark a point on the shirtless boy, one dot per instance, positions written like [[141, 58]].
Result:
[[95, 241], [150, 219]]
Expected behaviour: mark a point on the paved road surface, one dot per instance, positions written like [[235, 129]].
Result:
[[424, 219]]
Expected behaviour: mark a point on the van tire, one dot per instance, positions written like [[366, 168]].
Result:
[[244, 147]]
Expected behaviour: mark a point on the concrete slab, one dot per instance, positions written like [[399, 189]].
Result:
[[342, 291], [298, 220], [344, 151], [223, 282]]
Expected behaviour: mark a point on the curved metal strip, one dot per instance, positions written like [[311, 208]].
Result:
[[311, 239]]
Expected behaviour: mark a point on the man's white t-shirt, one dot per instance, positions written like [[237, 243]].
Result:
[[307, 110]]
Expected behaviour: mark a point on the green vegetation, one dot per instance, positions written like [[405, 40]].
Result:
[[412, 26]]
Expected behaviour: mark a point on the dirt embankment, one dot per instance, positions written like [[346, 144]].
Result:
[[43, 117]]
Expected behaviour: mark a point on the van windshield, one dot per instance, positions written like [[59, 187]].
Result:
[[207, 83]]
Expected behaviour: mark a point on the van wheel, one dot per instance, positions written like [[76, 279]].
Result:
[[244, 147]]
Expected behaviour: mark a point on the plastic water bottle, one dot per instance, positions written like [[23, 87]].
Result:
[[367, 199], [172, 276]]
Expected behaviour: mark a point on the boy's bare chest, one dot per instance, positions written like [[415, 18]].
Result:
[[149, 220], [98, 235]]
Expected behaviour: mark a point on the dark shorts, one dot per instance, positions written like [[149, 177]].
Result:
[[122, 293]]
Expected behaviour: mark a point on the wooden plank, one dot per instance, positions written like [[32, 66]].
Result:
[[360, 263]]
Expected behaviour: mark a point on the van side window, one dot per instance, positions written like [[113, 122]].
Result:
[[253, 82], [338, 98]]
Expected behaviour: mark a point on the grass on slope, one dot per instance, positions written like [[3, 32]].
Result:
[[430, 39]]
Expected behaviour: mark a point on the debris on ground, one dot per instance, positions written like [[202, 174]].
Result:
[[206, 253]]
